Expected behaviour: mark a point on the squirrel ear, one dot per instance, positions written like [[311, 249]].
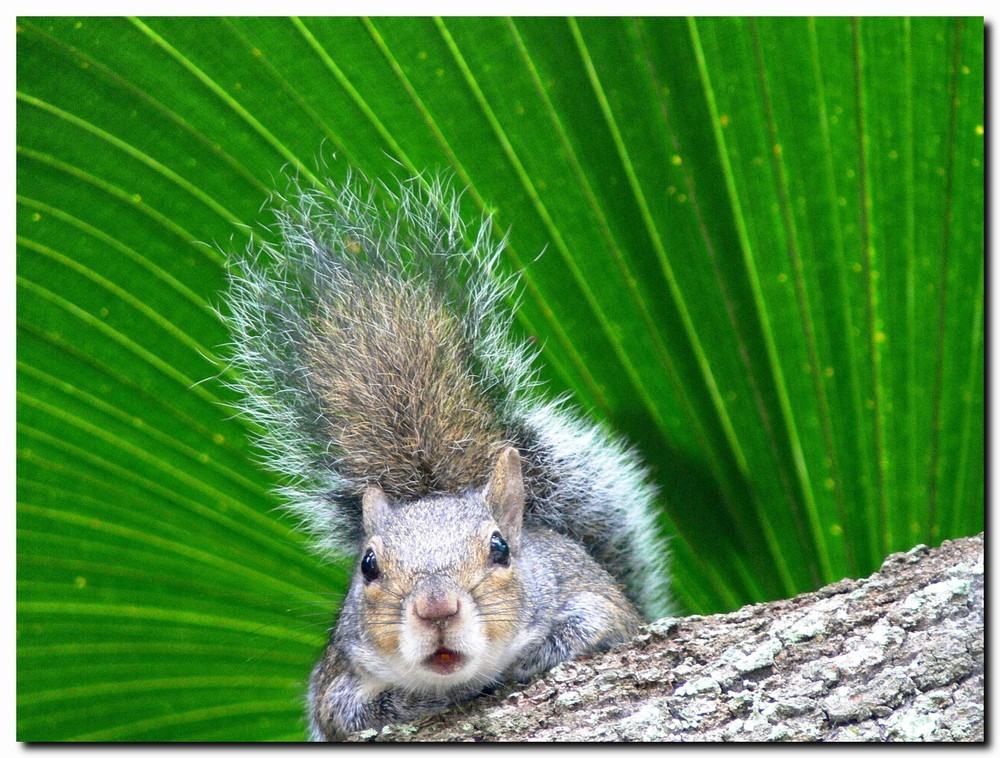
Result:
[[505, 493], [374, 507]]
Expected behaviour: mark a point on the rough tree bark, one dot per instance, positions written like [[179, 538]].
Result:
[[895, 656]]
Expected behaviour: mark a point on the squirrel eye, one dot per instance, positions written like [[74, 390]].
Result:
[[369, 566], [499, 551]]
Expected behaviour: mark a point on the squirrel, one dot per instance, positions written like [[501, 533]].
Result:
[[496, 533]]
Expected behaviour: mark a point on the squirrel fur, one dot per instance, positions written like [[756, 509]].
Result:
[[497, 533]]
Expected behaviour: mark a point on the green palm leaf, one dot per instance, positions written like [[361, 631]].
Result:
[[763, 265]]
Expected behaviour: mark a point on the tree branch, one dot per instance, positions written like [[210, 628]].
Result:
[[895, 656]]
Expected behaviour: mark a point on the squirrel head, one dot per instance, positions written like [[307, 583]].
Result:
[[437, 589]]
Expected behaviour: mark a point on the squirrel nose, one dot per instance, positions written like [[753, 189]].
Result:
[[436, 607]]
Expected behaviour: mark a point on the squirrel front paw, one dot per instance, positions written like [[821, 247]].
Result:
[[341, 703], [589, 623]]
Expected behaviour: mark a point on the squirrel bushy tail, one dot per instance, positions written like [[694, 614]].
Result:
[[373, 346]]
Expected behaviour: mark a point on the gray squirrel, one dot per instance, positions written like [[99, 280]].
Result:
[[496, 533]]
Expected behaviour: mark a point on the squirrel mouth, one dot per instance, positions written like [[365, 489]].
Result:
[[445, 661]]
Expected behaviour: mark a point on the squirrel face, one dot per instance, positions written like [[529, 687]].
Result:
[[438, 583]]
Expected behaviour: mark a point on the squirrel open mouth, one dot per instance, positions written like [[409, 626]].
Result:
[[445, 661]]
